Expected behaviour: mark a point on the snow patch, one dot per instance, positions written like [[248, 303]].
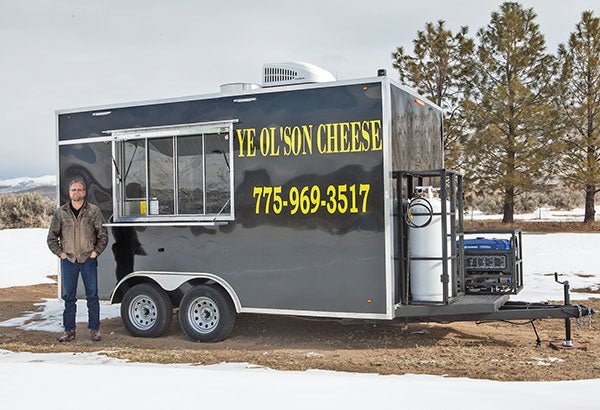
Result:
[[313, 354], [541, 361], [26, 259], [262, 387], [49, 319], [540, 215], [573, 255]]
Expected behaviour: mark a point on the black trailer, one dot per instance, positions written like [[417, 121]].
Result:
[[289, 200]]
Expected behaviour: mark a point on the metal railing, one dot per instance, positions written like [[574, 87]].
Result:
[[450, 184]]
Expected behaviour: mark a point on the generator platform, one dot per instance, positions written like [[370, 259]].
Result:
[[487, 307], [464, 304]]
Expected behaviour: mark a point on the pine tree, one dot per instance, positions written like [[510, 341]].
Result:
[[508, 106], [438, 70], [578, 99]]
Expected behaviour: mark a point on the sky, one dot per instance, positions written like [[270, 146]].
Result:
[[64, 54]]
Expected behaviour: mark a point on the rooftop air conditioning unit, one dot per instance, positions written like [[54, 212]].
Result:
[[276, 74]]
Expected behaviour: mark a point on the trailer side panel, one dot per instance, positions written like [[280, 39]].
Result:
[[322, 254]]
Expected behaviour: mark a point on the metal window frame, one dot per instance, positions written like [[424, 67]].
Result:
[[388, 197], [171, 131], [175, 177], [147, 167], [203, 178], [116, 180]]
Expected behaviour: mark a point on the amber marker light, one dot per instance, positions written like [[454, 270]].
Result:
[[419, 102], [369, 300], [365, 87]]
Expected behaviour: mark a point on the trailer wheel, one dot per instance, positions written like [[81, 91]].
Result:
[[146, 310], [206, 314]]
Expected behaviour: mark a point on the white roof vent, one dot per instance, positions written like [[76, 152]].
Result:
[[233, 87], [276, 74]]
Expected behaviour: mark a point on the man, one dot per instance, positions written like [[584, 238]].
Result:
[[77, 237]]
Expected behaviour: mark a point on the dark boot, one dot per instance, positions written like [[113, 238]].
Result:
[[95, 335], [68, 336]]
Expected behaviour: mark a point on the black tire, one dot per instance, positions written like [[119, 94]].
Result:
[[146, 310], [206, 314]]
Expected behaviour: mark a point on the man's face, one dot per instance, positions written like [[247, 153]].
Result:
[[77, 192]]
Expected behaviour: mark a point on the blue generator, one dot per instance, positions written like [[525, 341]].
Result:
[[493, 266]]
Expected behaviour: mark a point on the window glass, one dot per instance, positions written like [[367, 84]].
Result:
[[161, 177], [188, 175], [216, 154], [134, 156], [191, 174]]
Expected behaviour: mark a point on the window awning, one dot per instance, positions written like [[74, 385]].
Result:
[[211, 127]]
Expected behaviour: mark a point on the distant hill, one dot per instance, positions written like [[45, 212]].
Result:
[[45, 185]]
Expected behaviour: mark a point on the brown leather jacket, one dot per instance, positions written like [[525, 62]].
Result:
[[77, 237]]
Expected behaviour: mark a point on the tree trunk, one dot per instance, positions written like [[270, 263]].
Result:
[[590, 212], [509, 205]]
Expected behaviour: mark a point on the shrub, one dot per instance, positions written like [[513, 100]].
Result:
[[28, 210], [565, 198], [488, 204], [558, 197]]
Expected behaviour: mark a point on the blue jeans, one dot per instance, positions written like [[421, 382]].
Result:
[[70, 276]]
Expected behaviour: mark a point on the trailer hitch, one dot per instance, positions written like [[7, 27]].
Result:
[[568, 342]]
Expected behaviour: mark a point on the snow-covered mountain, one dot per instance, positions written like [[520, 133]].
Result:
[[23, 184]]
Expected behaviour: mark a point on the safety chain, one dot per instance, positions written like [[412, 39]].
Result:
[[579, 320]]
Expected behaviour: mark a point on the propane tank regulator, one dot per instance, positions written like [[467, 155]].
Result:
[[419, 205]]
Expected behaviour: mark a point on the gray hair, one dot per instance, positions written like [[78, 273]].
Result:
[[78, 181]]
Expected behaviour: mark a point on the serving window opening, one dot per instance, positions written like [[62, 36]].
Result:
[[175, 173]]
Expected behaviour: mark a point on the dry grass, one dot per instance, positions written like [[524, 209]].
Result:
[[28, 210]]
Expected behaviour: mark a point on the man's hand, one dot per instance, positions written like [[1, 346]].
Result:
[[93, 255], [62, 255]]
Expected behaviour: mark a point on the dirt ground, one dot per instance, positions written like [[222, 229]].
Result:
[[497, 351]]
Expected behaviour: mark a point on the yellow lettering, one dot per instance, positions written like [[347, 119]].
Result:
[[307, 138], [285, 134], [344, 145], [320, 146], [377, 144], [264, 141], [332, 138], [246, 138], [366, 136], [240, 135], [356, 146], [273, 153], [251, 147], [296, 140]]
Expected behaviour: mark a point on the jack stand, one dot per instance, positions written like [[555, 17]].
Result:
[[568, 343]]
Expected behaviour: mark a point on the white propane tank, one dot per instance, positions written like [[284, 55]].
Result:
[[425, 241]]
